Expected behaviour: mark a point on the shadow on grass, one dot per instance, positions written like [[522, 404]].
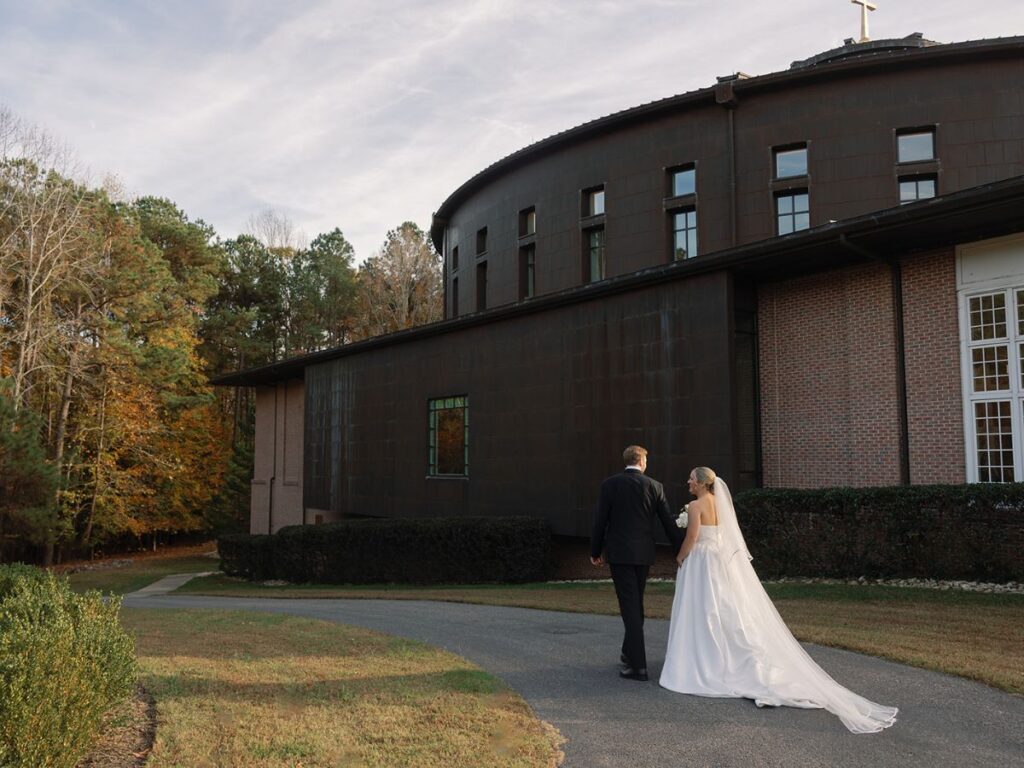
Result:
[[190, 684], [233, 635]]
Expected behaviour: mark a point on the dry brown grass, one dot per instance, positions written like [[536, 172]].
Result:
[[127, 735], [248, 689], [984, 643]]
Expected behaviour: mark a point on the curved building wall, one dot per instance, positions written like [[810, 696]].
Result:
[[846, 114]]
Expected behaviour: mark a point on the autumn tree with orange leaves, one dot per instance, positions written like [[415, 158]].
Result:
[[114, 313]]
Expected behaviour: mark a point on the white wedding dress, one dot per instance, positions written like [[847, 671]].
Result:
[[726, 638]]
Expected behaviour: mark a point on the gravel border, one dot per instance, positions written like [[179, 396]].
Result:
[[1011, 587]]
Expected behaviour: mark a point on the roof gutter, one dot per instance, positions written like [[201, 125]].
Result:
[[760, 259]]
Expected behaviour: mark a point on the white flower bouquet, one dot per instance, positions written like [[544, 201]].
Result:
[[684, 516]]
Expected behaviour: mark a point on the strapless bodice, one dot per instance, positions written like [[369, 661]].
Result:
[[708, 533]]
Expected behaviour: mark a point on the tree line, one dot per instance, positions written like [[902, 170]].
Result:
[[114, 312]]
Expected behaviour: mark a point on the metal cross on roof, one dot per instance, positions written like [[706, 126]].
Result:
[[865, 6]]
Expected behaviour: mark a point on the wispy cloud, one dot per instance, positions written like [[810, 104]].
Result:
[[363, 114]]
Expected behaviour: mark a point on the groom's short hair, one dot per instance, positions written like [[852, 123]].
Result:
[[633, 454]]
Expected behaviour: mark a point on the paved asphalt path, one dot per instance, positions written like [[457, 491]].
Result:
[[565, 666]]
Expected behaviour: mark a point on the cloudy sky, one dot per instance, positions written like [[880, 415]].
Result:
[[362, 114]]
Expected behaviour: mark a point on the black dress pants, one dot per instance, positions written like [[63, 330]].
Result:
[[630, 581]]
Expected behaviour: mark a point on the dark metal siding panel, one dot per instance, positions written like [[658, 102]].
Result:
[[317, 461], [748, 437], [554, 398], [848, 121]]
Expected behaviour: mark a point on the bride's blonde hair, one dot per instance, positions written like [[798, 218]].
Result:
[[705, 476]]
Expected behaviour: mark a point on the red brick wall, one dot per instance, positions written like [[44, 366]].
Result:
[[828, 380], [934, 399], [828, 376]]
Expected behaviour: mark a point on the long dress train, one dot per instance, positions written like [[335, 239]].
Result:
[[726, 638]]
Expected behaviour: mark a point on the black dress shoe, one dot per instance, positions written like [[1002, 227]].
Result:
[[634, 674]]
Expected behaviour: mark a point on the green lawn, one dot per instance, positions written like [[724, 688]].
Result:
[[142, 571]]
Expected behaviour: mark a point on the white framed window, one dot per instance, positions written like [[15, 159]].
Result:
[[990, 293], [992, 336]]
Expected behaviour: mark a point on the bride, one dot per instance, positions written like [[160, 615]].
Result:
[[727, 639]]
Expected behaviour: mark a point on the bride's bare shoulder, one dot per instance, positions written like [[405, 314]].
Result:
[[705, 506]]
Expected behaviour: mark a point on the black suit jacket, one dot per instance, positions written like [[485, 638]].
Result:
[[625, 519]]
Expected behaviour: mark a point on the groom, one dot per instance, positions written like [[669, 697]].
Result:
[[624, 521]]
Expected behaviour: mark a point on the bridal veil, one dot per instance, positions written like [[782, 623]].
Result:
[[792, 676]]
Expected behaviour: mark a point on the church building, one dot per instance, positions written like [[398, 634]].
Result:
[[804, 279]]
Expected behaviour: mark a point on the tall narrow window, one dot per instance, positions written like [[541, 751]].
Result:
[[455, 297], [917, 167], [594, 256], [791, 161], [527, 222], [527, 271], [455, 258], [915, 145], [681, 208], [684, 234], [448, 437], [481, 240], [792, 211], [481, 286], [995, 382]]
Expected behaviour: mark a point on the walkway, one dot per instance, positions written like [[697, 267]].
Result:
[[565, 666]]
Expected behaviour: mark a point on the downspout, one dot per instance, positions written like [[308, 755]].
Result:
[[725, 96], [896, 277], [896, 282], [732, 174]]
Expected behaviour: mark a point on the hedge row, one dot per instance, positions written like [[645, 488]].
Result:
[[970, 532], [64, 662], [431, 551]]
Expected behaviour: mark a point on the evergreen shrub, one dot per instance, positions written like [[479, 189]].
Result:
[[250, 556], [64, 662], [407, 551], [961, 532]]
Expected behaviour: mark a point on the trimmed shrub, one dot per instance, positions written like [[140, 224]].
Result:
[[407, 551], [248, 556], [971, 532], [64, 662]]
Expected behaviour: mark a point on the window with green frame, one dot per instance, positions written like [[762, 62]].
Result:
[[448, 439]]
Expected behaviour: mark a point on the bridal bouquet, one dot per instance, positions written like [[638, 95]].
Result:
[[684, 516]]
